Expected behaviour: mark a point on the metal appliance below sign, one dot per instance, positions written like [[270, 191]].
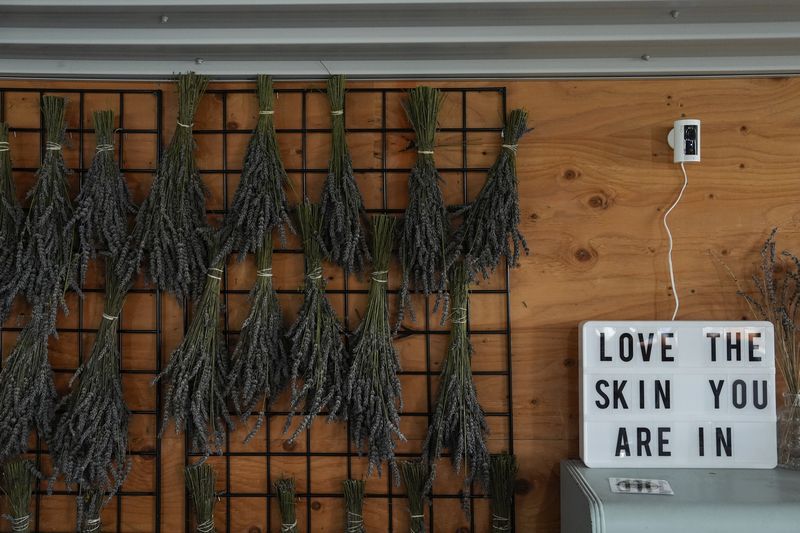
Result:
[[677, 394]]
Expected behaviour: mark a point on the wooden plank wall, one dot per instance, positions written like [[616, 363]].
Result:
[[595, 177]]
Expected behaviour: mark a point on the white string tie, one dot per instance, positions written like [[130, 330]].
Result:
[[109, 317], [501, 527], [461, 318], [267, 112], [207, 526], [92, 524], [21, 523], [214, 277], [315, 274], [52, 146], [105, 148], [4, 146], [429, 152], [381, 273], [182, 125], [265, 273], [337, 112], [512, 147], [289, 527], [355, 522]]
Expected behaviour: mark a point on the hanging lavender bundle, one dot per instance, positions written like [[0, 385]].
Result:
[[91, 435], [201, 482], [373, 389], [260, 368], [415, 476], [458, 422], [502, 474], [103, 205], [425, 225], [27, 392], [316, 348], [341, 203], [259, 205], [493, 218], [354, 505], [16, 481], [11, 218], [45, 259], [90, 503], [197, 371], [286, 502], [171, 227]]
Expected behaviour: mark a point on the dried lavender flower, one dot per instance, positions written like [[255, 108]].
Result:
[[200, 482], [316, 347], [260, 362], [415, 475], [45, 259], [103, 205], [492, 220], [16, 481], [458, 421], [90, 442], [259, 204], [343, 238], [425, 226], [90, 502], [502, 475], [11, 219], [286, 502], [354, 505], [27, 392], [197, 371], [171, 227], [374, 397]]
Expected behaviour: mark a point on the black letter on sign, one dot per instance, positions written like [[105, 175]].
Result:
[[701, 442], [716, 390], [662, 393], [603, 348], [753, 346], [662, 442], [626, 339], [734, 346], [643, 441], [619, 398], [647, 348], [713, 338], [724, 441], [599, 388], [760, 401], [739, 394], [623, 448], [665, 346]]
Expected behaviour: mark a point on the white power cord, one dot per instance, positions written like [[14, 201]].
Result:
[[669, 235]]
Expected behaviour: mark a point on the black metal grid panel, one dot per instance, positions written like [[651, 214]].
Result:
[[305, 493], [80, 131]]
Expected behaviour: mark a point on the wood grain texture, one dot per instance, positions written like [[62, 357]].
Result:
[[595, 178]]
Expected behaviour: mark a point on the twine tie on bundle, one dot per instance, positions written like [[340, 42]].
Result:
[[182, 125], [428, 152], [92, 525], [51, 146], [4, 146], [355, 522], [315, 274], [109, 317], [105, 148], [337, 112], [289, 527], [207, 526], [266, 112], [265, 273], [380, 276], [500, 526], [21, 523], [213, 276], [512, 147], [459, 315], [413, 528]]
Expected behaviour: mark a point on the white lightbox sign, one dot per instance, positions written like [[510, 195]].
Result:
[[680, 394]]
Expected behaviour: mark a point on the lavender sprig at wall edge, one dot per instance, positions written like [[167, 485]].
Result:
[[103, 205], [260, 363], [16, 481], [342, 206], [90, 502], [354, 505], [374, 396], [285, 489], [502, 475], [492, 220], [425, 225], [171, 228], [11, 219], [197, 372], [415, 477], [200, 484], [316, 346], [458, 422], [46, 263], [259, 204]]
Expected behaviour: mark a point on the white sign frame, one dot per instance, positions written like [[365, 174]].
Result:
[[671, 382]]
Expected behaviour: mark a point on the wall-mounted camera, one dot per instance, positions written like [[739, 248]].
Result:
[[684, 139]]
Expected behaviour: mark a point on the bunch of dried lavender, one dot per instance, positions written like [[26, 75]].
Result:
[[502, 475], [103, 205], [354, 505], [45, 259], [91, 436], [423, 235], [374, 396], [11, 218], [458, 421], [415, 475], [171, 225], [286, 502], [260, 368], [316, 348], [197, 371], [90, 503], [259, 205], [27, 392], [493, 218], [341, 203], [200, 482], [16, 481]]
